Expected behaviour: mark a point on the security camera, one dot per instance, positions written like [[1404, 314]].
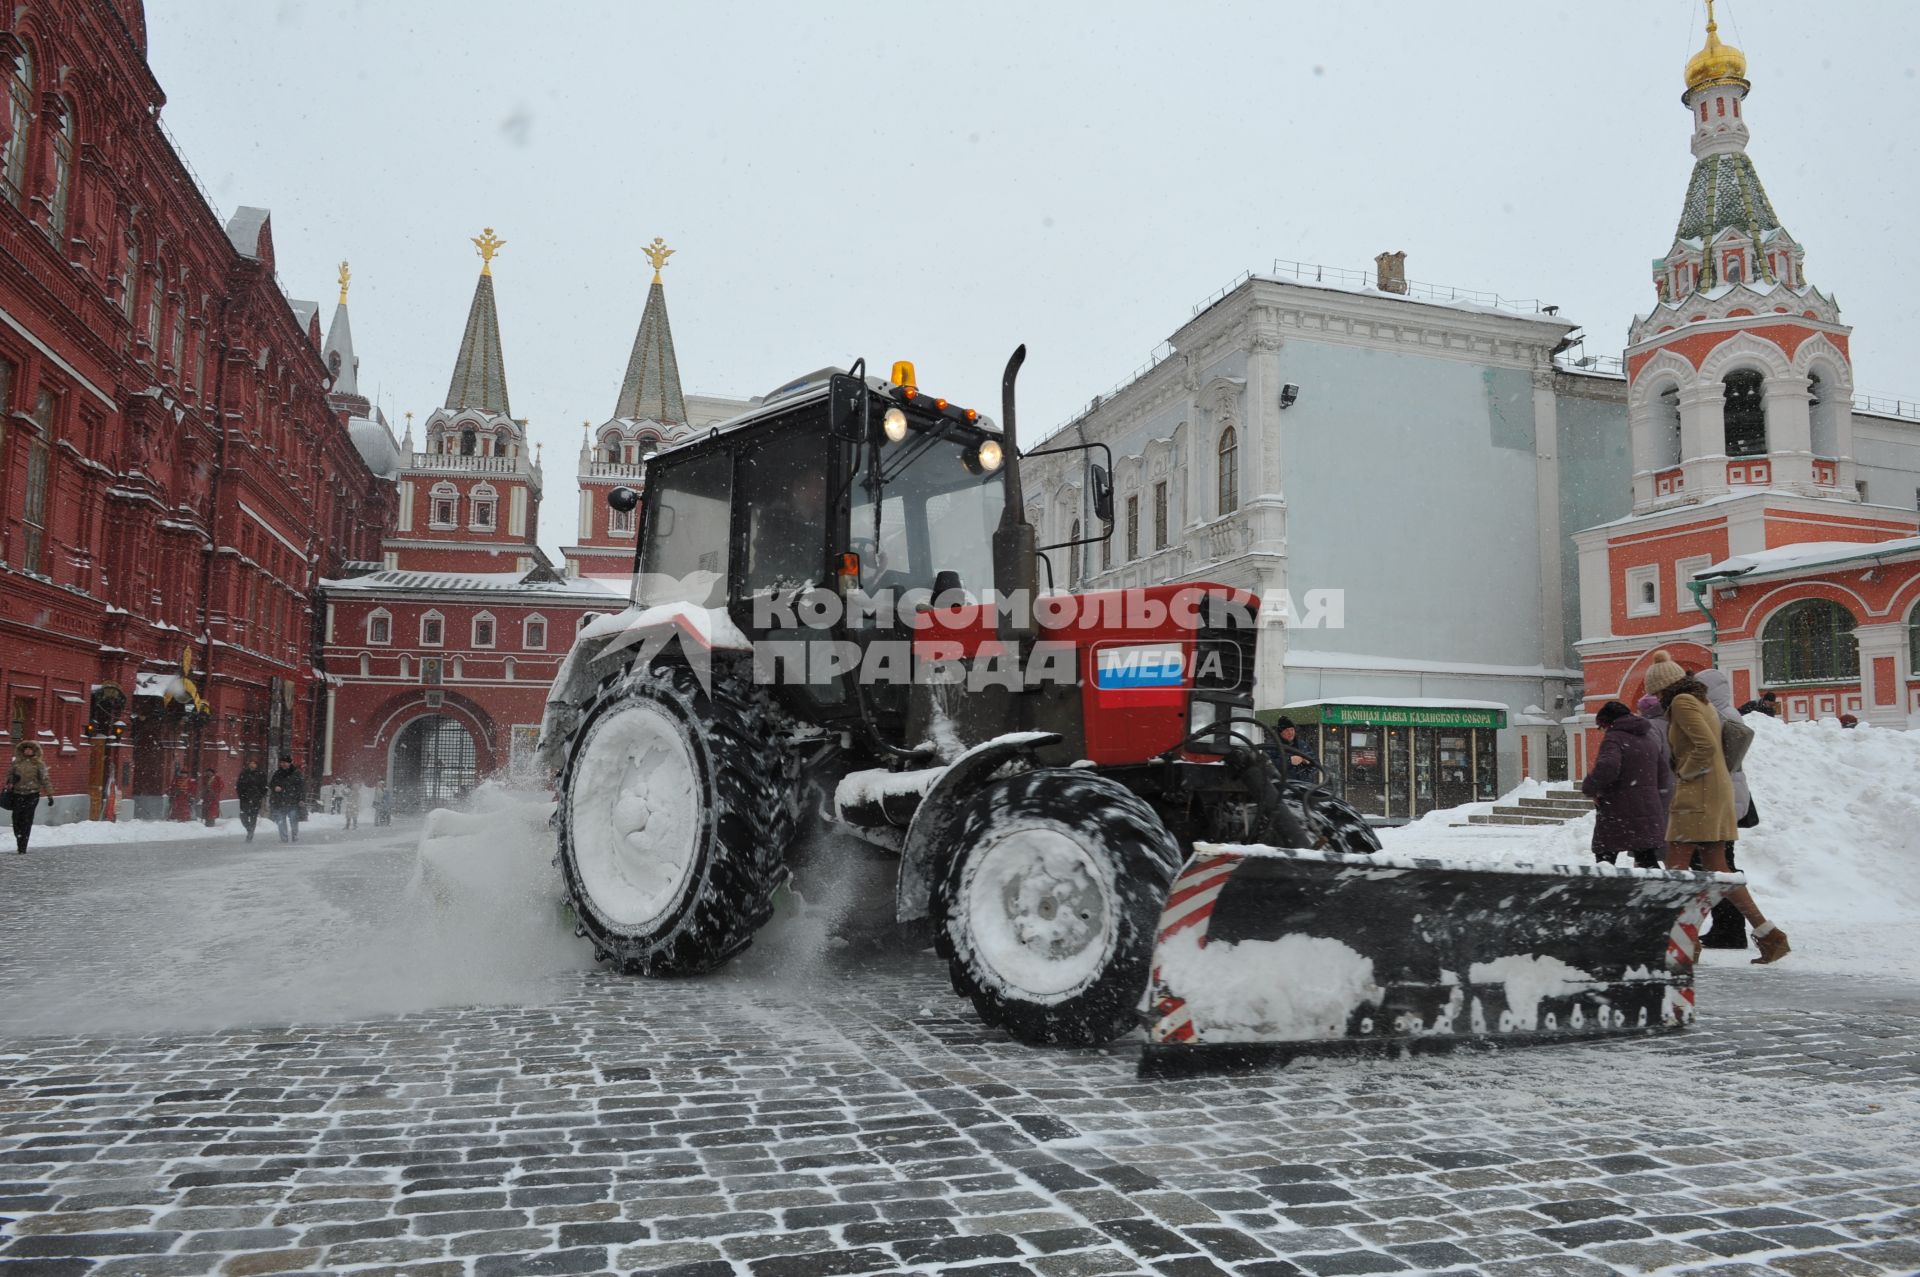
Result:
[[1289, 393]]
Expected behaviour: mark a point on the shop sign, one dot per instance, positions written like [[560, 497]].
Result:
[[1412, 716]]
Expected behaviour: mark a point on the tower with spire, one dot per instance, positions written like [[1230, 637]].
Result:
[[1747, 528], [650, 413], [470, 499]]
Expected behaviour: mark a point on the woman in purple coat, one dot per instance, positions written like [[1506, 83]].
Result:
[[1625, 784]]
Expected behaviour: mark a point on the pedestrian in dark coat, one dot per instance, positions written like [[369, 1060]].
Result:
[[1701, 821], [1624, 783], [286, 798], [1655, 713], [250, 790], [27, 783]]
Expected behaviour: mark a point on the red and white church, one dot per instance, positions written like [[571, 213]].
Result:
[[1749, 544]]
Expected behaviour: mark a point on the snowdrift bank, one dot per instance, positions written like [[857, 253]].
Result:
[[1835, 859]]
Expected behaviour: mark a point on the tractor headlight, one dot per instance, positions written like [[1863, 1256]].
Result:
[[989, 455], [895, 424]]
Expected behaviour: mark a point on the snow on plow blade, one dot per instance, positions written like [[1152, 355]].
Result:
[[1266, 953]]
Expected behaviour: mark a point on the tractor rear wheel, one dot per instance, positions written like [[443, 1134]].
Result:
[[1048, 902], [676, 811]]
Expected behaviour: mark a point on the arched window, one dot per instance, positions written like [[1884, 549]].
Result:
[[534, 636], [1746, 415], [502, 444], [1809, 642], [483, 630], [469, 442], [1073, 554], [62, 177], [131, 278], [405, 667], [509, 669], [433, 630], [1666, 429], [1823, 412], [156, 294], [380, 628], [19, 127], [1229, 471], [366, 665]]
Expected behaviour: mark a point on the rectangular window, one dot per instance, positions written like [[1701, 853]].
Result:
[[620, 522], [22, 719], [1133, 527], [432, 632], [1160, 515], [483, 631], [177, 354], [1643, 590], [537, 635], [443, 513], [39, 461], [380, 630], [483, 514]]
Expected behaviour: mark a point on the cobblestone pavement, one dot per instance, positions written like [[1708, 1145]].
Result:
[[844, 1113]]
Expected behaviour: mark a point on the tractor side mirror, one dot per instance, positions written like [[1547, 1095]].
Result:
[[623, 499], [1100, 484], [847, 401]]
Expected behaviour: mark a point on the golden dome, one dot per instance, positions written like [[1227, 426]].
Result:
[[1716, 63]]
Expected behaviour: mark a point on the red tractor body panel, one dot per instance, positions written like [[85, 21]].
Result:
[[1133, 651]]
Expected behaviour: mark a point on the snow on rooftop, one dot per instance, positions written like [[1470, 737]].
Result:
[[1419, 299], [1411, 702], [243, 230], [1809, 554], [466, 582]]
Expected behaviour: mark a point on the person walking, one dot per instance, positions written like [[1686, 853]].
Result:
[[1624, 783], [382, 804], [1701, 820], [1650, 708], [27, 784], [286, 798], [212, 790], [250, 789], [1766, 703], [180, 800], [1729, 929], [350, 804]]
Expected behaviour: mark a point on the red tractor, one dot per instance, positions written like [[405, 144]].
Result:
[[837, 615]]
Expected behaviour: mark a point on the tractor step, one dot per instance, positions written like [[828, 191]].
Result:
[[1267, 953]]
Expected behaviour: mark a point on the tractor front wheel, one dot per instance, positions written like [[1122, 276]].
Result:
[[1048, 902]]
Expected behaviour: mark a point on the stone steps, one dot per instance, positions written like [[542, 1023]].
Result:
[[1555, 807]]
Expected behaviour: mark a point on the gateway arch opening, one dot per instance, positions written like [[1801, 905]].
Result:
[[433, 764]]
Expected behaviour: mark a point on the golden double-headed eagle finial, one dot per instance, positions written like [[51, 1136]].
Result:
[[488, 244], [658, 253], [345, 275]]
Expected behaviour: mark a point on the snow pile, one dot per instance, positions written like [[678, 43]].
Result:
[[86, 833], [1835, 859], [1296, 988]]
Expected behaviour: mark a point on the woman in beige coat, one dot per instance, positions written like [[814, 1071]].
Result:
[[1701, 819]]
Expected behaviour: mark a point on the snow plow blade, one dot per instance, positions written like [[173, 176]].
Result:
[[1266, 953]]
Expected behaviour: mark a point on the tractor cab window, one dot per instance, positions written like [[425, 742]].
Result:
[[938, 507], [683, 558], [782, 486]]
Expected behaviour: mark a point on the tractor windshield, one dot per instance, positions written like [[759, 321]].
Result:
[[937, 509]]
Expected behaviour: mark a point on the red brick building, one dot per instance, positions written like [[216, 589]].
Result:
[[439, 659], [1750, 544], [173, 478]]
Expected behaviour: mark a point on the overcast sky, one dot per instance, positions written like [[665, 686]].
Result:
[[939, 183]]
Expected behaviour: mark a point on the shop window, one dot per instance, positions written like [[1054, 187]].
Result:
[[1643, 590], [1160, 541], [19, 127], [1133, 526], [1746, 415], [380, 628], [1229, 471], [483, 630], [433, 630], [1809, 642], [534, 637], [62, 176]]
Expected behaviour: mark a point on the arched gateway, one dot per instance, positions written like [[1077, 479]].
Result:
[[431, 763]]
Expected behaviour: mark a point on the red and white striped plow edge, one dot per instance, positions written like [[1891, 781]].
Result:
[[1189, 907], [1683, 948]]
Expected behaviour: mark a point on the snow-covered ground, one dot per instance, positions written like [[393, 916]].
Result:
[[88, 833], [1835, 859]]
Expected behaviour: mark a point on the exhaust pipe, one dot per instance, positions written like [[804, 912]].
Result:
[[1016, 571]]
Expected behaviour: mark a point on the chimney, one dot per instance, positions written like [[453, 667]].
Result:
[[1390, 269]]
